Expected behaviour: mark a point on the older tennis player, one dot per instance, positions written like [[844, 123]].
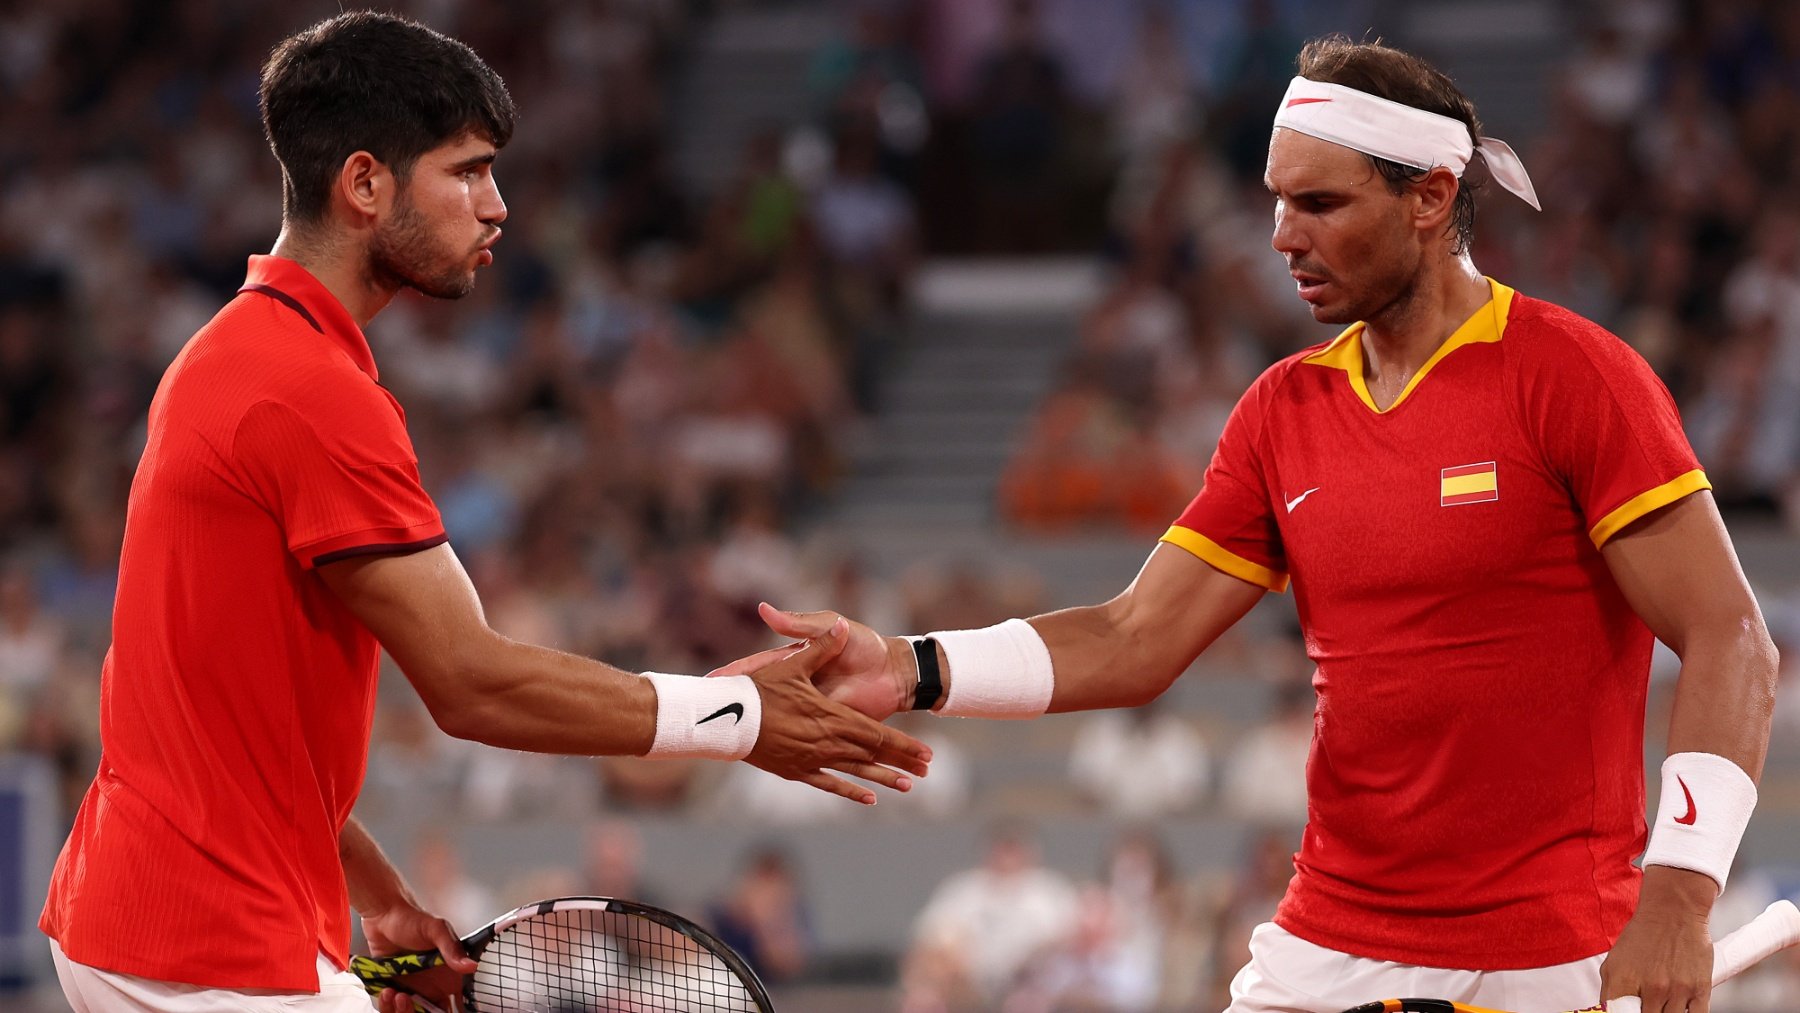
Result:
[[1487, 511]]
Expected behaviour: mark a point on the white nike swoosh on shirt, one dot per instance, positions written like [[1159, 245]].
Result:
[[1292, 503]]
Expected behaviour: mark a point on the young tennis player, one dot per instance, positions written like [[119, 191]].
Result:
[[278, 537]]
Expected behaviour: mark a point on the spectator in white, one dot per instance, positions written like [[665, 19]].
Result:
[[1140, 763], [864, 220], [982, 926], [1265, 773], [1115, 959]]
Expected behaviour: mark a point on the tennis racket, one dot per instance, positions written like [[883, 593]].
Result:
[[1768, 933], [586, 955]]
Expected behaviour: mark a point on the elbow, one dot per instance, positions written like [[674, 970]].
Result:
[[455, 716], [1149, 668], [1742, 655], [456, 693], [452, 704], [1147, 687]]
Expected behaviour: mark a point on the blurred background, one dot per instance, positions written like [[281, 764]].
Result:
[[929, 311]]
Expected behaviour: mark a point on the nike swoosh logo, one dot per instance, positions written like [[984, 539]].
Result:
[[1692, 813], [1297, 500], [1304, 101], [736, 710]]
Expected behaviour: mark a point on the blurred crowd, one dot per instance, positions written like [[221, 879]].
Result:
[[630, 422]]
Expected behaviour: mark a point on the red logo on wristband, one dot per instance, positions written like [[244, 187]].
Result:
[[1692, 813]]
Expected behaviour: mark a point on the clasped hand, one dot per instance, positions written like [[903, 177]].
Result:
[[819, 711]]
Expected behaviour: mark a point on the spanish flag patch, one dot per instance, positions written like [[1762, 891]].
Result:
[[1469, 483]]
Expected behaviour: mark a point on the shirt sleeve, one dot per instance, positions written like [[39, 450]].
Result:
[[1231, 523], [1609, 428], [340, 484]]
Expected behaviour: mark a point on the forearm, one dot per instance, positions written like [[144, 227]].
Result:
[[482, 686], [1725, 695], [1102, 659], [374, 883], [1102, 656], [514, 695], [1723, 702]]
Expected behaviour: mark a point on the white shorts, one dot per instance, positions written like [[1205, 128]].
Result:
[[1287, 974], [91, 990]]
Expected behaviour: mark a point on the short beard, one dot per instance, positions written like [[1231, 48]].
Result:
[[1394, 287], [403, 254]]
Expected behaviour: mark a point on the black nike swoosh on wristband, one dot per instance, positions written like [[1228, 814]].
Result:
[[736, 710]]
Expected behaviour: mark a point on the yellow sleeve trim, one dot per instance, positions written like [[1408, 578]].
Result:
[[1225, 561], [1643, 503]]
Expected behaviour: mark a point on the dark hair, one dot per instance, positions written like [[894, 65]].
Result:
[[1404, 78], [365, 81]]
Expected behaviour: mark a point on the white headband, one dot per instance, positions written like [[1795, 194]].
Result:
[[1399, 133]]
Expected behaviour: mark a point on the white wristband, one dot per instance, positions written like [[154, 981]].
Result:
[[999, 672], [716, 718], [1706, 802]]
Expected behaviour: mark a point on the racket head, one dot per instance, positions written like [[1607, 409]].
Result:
[[602, 953]]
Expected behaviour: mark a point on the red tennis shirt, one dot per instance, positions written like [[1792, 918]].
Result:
[[236, 698], [1476, 784]]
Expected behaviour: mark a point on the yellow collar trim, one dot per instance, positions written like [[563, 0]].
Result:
[[1485, 327]]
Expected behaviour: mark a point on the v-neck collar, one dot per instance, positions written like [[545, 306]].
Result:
[[1345, 352]]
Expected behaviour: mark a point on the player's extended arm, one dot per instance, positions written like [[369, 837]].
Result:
[[1678, 570], [482, 686], [1122, 653]]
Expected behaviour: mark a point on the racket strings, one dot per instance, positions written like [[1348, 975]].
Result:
[[588, 961]]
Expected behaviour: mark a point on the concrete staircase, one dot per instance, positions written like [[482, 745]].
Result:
[[980, 354], [984, 348]]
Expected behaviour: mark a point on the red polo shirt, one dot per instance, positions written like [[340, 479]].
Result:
[[237, 695], [1476, 783]]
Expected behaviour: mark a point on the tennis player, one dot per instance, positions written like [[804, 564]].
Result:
[[1486, 509], [278, 537]]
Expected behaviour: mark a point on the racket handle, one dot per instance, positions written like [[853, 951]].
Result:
[[1776, 929]]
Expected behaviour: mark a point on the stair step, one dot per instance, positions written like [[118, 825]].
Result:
[[919, 391], [982, 360], [1050, 338], [979, 475], [899, 420], [940, 515]]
